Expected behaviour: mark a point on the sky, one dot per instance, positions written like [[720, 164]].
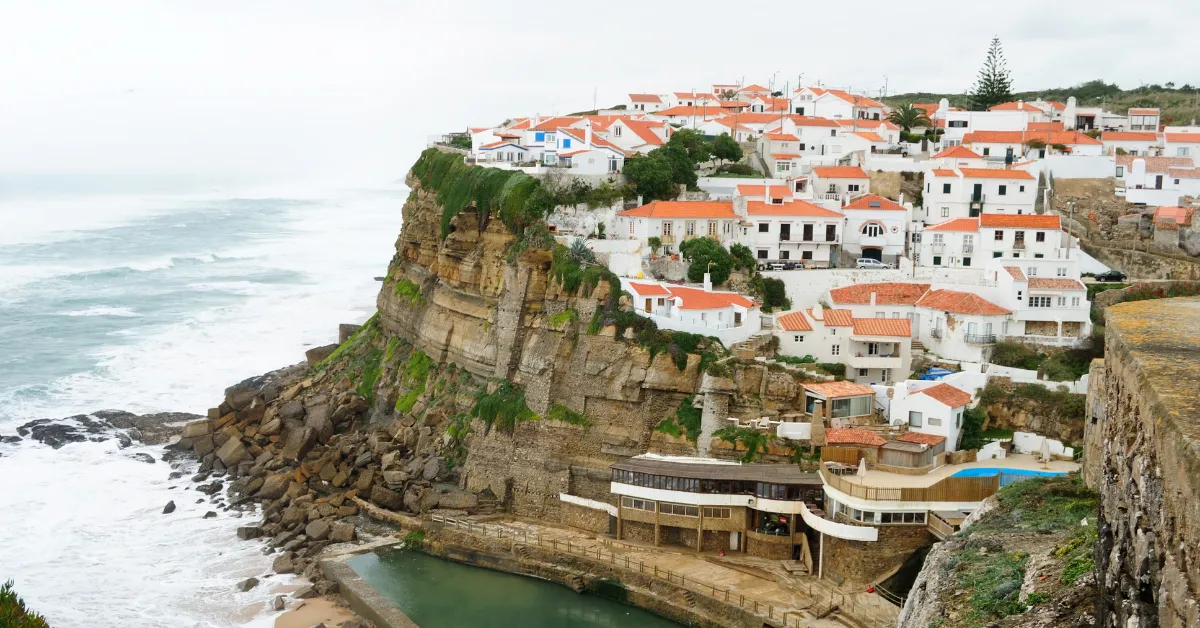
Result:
[[350, 91]]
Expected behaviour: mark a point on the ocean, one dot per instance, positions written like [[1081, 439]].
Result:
[[146, 303]]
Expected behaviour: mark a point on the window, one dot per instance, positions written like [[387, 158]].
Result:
[[957, 124], [945, 188], [784, 254], [638, 504], [682, 510], [1040, 237], [966, 261], [1120, 171], [566, 143], [852, 406], [1074, 301], [1003, 190], [987, 151], [937, 260], [1061, 302], [833, 133], [934, 422], [914, 419], [762, 254], [764, 227], [835, 349], [540, 136], [938, 239], [666, 228], [1022, 189], [854, 187], [617, 131], [1039, 255], [998, 235], [689, 227], [797, 338], [873, 230], [1061, 272], [995, 253], [1018, 299], [716, 513], [862, 372], [712, 228], [1031, 271], [830, 233], [1182, 151], [945, 212], [1039, 301]]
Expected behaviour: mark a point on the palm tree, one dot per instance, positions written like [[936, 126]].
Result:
[[907, 116]]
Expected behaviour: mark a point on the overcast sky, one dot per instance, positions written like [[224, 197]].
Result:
[[350, 89]]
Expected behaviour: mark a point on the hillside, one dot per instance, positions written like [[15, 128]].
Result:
[[1179, 104]]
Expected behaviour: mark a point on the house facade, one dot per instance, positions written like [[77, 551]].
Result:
[[876, 228], [791, 230], [969, 192], [875, 350], [673, 222], [837, 183], [729, 316], [932, 410]]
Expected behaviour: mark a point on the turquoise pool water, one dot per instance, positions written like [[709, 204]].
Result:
[[438, 593], [1007, 476]]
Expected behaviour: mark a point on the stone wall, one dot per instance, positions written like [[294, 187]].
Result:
[[585, 518], [1144, 265], [866, 561], [1147, 443], [767, 546]]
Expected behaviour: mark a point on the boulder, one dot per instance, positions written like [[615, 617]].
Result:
[[169, 508], [196, 428], [211, 488], [317, 530], [292, 410], [433, 468], [247, 584], [232, 452], [209, 515], [299, 442], [241, 394], [346, 330], [347, 510], [246, 533], [271, 427], [339, 480], [316, 354], [278, 604], [283, 563], [342, 532], [387, 498], [458, 500], [274, 486], [366, 478], [305, 593], [317, 417], [395, 479], [293, 516]]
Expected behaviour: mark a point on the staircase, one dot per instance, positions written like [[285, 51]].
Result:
[[576, 584], [918, 346], [690, 598]]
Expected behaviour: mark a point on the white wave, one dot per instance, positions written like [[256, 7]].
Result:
[[103, 310]]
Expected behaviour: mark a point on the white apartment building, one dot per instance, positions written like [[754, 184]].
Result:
[[1144, 143], [672, 222], [789, 230], [647, 103], [1182, 145], [876, 228], [969, 192], [1050, 310], [930, 408], [952, 243], [837, 183], [729, 316], [958, 157], [874, 350], [836, 103], [1145, 119]]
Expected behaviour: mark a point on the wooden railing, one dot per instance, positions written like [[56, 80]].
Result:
[[949, 489]]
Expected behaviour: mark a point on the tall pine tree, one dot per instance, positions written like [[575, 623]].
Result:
[[994, 83]]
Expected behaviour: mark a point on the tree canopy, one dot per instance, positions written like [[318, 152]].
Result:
[[907, 116], [708, 256], [726, 148], [994, 85]]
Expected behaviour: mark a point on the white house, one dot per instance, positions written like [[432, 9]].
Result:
[[1032, 112], [1013, 146], [781, 152], [952, 243], [691, 99], [874, 350], [726, 125], [968, 192], [960, 325], [957, 157], [1144, 119], [1131, 142], [1148, 180], [688, 115], [836, 103], [931, 409], [835, 183], [1047, 310], [887, 131], [646, 103], [876, 227], [957, 124], [779, 230], [1021, 236], [1182, 145], [729, 316], [672, 222], [587, 153], [641, 136]]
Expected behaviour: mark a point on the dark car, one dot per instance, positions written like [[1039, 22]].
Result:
[[1112, 275]]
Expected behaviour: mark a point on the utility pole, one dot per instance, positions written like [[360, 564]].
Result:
[[885, 85]]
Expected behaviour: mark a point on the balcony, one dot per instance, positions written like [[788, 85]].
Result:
[[980, 339], [968, 249], [1019, 245], [938, 249], [863, 361], [935, 333], [667, 239]]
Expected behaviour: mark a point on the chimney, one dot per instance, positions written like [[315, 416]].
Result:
[[707, 282], [740, 206], [537, 119], [872, 298], [818, 313], [1021, 105], [587, 133]]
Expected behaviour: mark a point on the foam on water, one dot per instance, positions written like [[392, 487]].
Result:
[[193, 297]]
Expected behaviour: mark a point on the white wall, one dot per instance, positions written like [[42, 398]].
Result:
[[1080, 166], [1029, 443]]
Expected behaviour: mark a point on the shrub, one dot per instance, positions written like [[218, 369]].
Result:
[[739, 169], [972, 434], [791, 359], [754, 441], [564, 317], [415, 539], [837, 370], [655, 244], [503, 407], [14, 613], [772, 292], [416, 373], [567, 415], [1016, 355], [743, 257], [685, 422], [706, 256], [581, 253]]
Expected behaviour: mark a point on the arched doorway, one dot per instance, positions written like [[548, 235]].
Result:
[[873, 253]]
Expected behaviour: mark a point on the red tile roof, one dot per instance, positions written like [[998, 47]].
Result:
[[852, 436], [947, 394], [839, 389], [1183, 138], [921, 438], [1045, 126], [835, 318], [1184, 173], [800, 120], [597, 141], [1054, 283], [644, 98], [840, 172], [1015, 272], [776, 191], [1177, 215], [942, 172], [695, 95], [783, 137], [698, 299], [1021, 137], [1013, 106], [893, 327], [960, 303], [956, 224], [865, 124], [1128, 136], [874, 201], [682, 209], [794, 208], [1155, 164], [684, 110], [644, 129], [958, 152], [1028, 221], [857, 100], [785, 155], [885, 293], [1144, 111], [869, 136], [552, 124], [794, 321], [994, 173], [649, 289], [755, 89]]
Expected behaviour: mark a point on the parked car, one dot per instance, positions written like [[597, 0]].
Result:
[[1112, 275], [866, 262]]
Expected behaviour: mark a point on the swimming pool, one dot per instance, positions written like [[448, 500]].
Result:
[[1007, 476]]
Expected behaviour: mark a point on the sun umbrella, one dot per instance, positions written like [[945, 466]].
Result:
[[862, 467]]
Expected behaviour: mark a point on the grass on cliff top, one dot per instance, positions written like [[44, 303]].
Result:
[[409, 291], [365, 334]]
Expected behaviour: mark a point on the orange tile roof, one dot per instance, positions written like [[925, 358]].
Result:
[[794, 208], [1128, 136], [958, 152], [1054, 283], [785, 155], [1185, 173], [552, 124], [1045, 126], [644, 130], [839, 389], [794, 321], [1057, 105], [644, 98], [698, 299], [783, 137], [685, 110], [648, 289], [1013, 106], [956, 224], [1183, 138], [942, 172], [960, 303], [853, 436], [854, 99], [581, 134], [840, 172], [835, 318], [1155, 164], [874, 202], [733, 104], [947, 394], [921, 438], [502, 143], [869, 136], [776, 191], [800, 120], [885, 293], [755, 88], [929, 108], [1028, 221], [893, 327], [682, 209], [1144, 111], [751, 118], [994, 173], [1021, 137], [1015, 272]]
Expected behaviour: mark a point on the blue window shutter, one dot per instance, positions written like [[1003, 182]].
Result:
[[540, 137], [566, 143]]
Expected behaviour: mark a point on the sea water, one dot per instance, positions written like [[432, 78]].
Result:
[[157, 303]]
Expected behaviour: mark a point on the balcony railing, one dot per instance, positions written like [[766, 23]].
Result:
[[667, 239], [1019, 245], [967, 249], [935, 333], [938, 248], [980, 339]]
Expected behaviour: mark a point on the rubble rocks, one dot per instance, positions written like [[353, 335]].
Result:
[[284, 563], [249, 532], [317, 530], [274, 486], [387, 498], [247, 584], [169, 508], [316, 354], [342, 533], [277, 604]]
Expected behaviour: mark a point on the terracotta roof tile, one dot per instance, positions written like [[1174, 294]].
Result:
[[698, 299], [1045, 126], [994, 173], [869, 136], [852, 436], [874, 201], [644, 98], [835, 318], [684, 110], [947, 394], [1156, 165], [1128, 136], [682, 209], [649, 289], [958, 152], [894, 327], [960, 303], [956, 224], [783, 137], [921, 438], [776, 191], [885, 293], [942, 172], [1183, 138], [857, 100], [502, 143], [1177, 215], [1150, 111], [1028, 221], [1013, 106], [785, 155], [842, 388], [794, 321], [800, 120], [794, 208], [840, 172], [1184, 173], [1054, 283], [1015, 272]]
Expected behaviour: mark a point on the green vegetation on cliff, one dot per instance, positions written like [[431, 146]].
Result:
[[14, 613], [414, 376], [685, 421], [754, 441], [503, 407], [566, 415]]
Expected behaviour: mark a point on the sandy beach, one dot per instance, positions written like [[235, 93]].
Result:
[[308, 613]]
